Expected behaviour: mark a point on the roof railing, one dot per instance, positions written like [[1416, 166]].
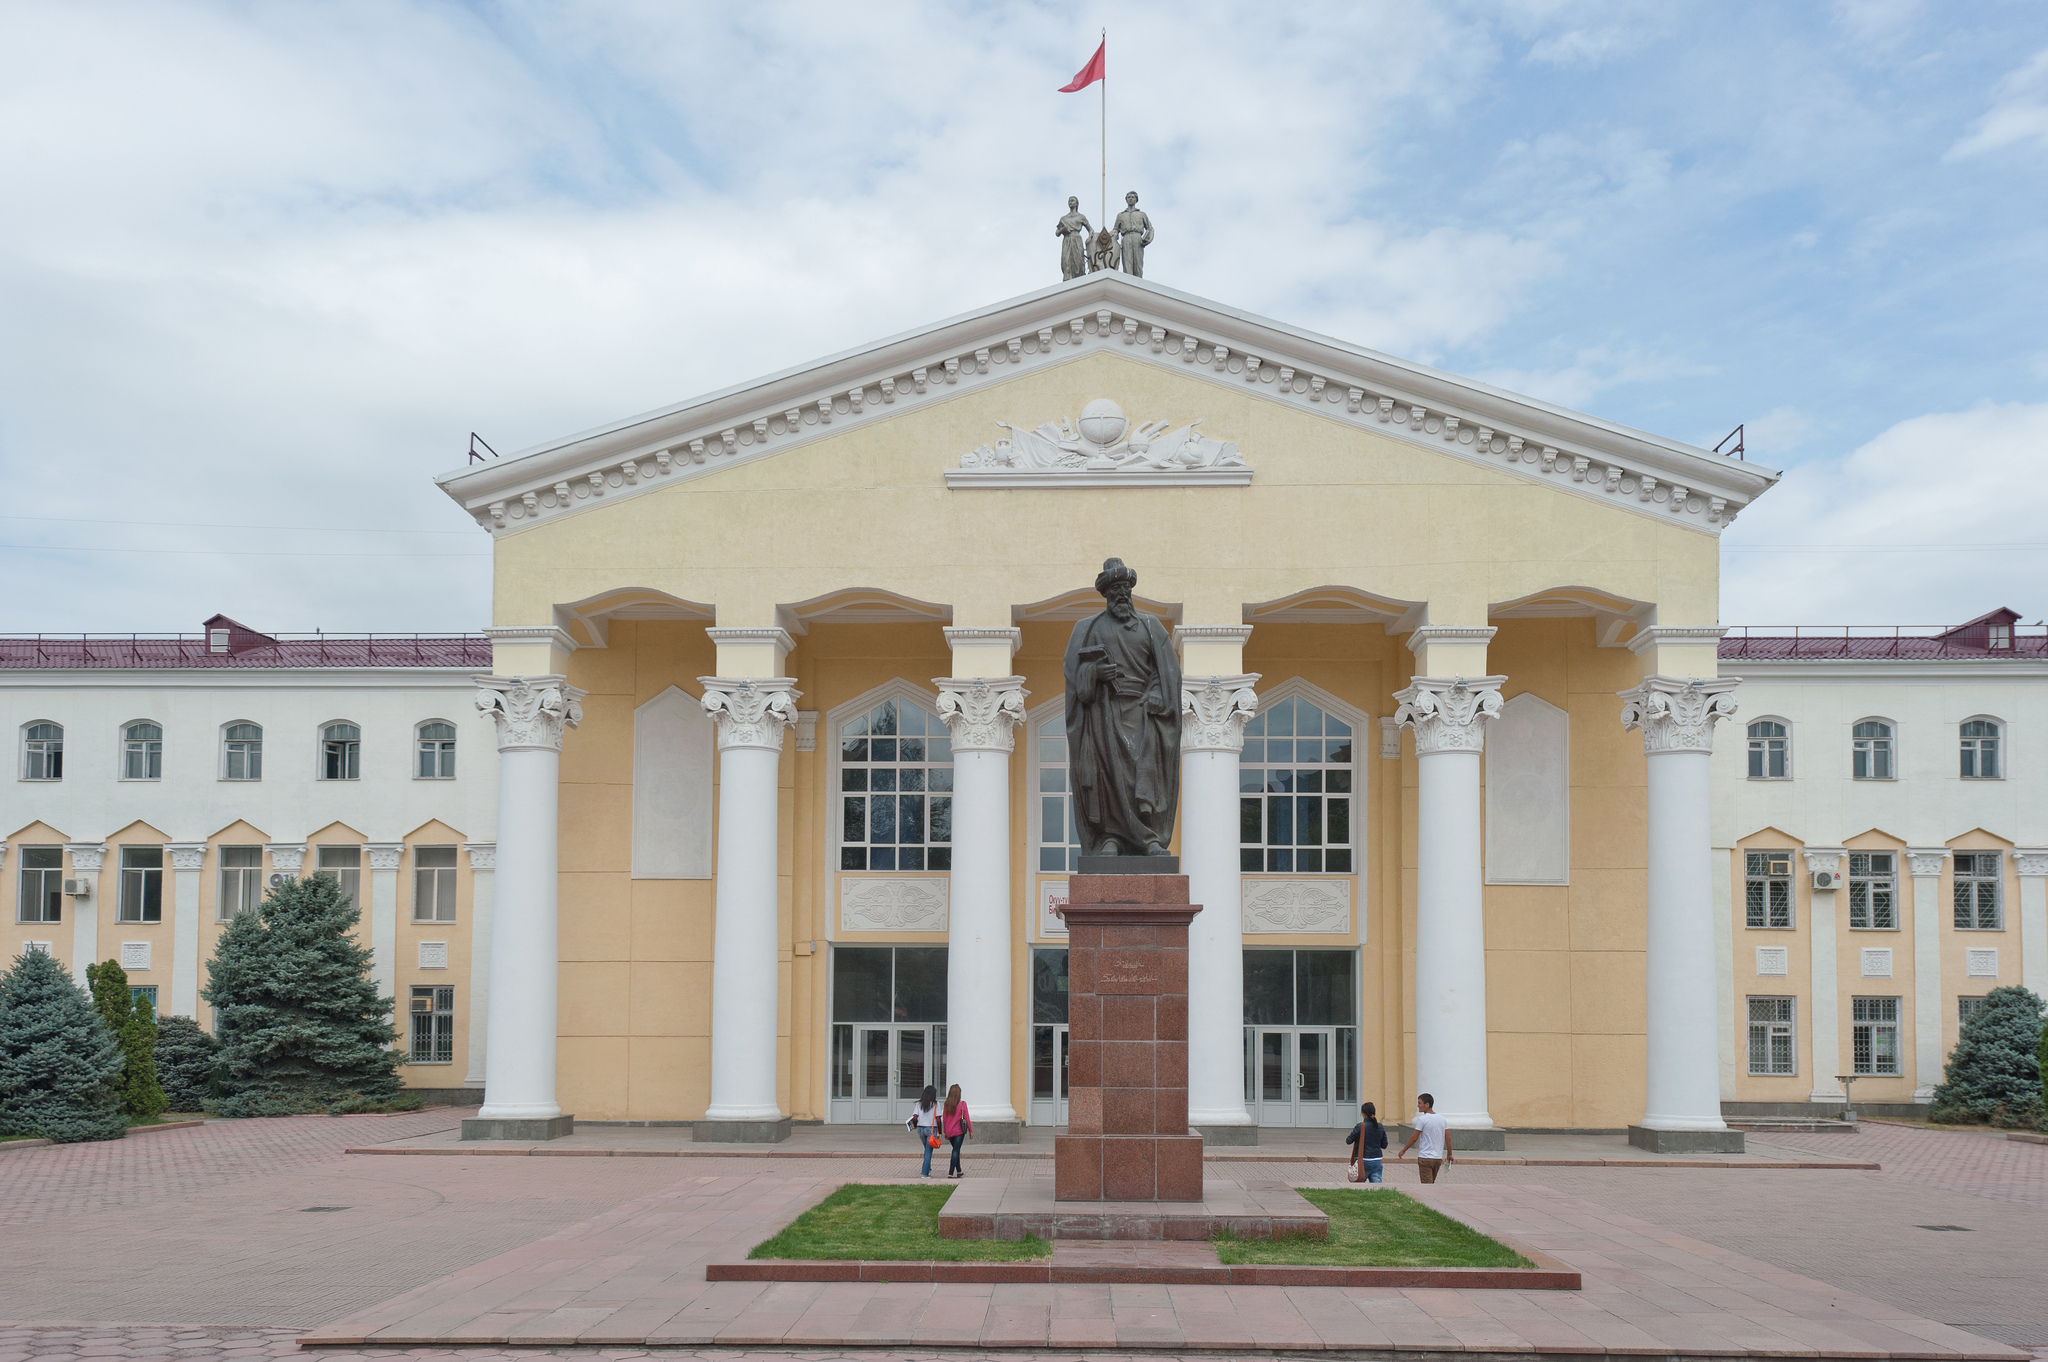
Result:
[[1881, 641], [316, 648]]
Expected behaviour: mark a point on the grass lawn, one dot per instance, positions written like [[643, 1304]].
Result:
[[1375, 1229], [5, 1138], [887, 1222]]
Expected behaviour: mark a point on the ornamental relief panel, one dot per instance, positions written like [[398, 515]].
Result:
[[894, 905], [1283, 906]]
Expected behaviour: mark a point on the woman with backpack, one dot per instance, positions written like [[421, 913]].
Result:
[[924, 1123], [1369, 1143], [956, 1125]]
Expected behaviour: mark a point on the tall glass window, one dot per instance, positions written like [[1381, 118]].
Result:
[[142, 752], [886, 986], [1048, 1014], [341, 752], [896, 790], [1059, 846], [42, 752], [1980, 750], [433, 884], [1303, 990], [1978, 875], [1294, 812], [1767, 889], [241, 881], [1874, 1035], [343, 865], [1873, 891], [1873, 751], [42, 885], [1770, 1037], [433, 1024], [436, 751], [1769, 750], [142, 884], [243, 757]]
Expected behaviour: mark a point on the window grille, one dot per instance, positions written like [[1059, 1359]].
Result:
[[142, 752], [42, 752], [1767, 889], [433, 1024], [341, 752], [1873, 891], [1873, 751], [1967, 1008], [1770, 1036], [241, 881], [1059, 845], [433, 884], [243, 756], [143, 995], [1980, 750], [142, 885], [1295, 779], [1874, 1035], [343, 865], [42, 885], [896, 790], [436, 751], [1769, 751], [1977, 878]]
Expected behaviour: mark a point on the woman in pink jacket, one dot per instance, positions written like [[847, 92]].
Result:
[[956, 1125]]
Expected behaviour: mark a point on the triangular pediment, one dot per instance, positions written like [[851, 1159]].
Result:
[[1457, 418]]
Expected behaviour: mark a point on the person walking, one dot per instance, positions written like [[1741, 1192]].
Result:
[[1433, 1133], [924, 1123], [956, 1125], [1369, 1143]]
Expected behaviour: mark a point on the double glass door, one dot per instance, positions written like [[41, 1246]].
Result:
[[892, 1066], [1290, 1075], [1049, 1075]]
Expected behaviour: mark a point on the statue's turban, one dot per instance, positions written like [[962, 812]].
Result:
[[1114, 571]]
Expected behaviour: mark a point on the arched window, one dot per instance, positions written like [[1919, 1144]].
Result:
[[436, 751], [142, 751], [341, 752], [1872, 758], [1770, 750], [1980, 739], [42, 752], [896, 790], [1294, 812], [242, 752]]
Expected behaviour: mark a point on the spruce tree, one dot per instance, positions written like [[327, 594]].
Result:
[[302, 1027], [185, 1056], [134, 1025], [1994, 1071], [58, 1061]]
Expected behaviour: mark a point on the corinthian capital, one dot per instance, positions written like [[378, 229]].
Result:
[[1677, 714], [1449, 713], [981, 712], [750, 711], [1214, 711], [531, 711]]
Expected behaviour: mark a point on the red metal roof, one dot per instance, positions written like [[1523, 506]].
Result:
[[176, 651], [1973, 641]]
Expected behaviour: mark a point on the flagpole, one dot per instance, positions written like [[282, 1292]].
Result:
[[1105, 129]]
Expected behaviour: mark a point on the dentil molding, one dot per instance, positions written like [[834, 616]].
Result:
[[86, 855], [531, 711], [482, 855], [1423, 635], [982, 712], [1677, 714], [188, 855], [1214, 711], [1294, 906], [750, 711], [1449, 714], [889, 905]]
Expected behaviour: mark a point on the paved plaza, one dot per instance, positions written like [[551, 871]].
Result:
[[207, 1243]]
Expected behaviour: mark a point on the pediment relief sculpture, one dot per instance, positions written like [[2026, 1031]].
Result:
[[1103, 442]]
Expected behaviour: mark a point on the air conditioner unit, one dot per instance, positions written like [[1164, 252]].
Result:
[[1778, 865], [423, 1004], [1826, 879], [280, 878], [78, 889]]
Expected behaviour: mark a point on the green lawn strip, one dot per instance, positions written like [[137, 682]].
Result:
[[899, 1223], [1374, 1229]]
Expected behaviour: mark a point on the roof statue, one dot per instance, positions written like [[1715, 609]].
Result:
[[1084, 250], [1073, 232], [1134, 234]]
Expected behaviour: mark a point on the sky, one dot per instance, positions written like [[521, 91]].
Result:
[[265, 267]]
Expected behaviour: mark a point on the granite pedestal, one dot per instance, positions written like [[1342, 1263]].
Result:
[[538, 1128], [1687, 1141]]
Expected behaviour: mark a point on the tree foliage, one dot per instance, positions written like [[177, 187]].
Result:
[[1994, 1073], [185, 1056], [300, 1023], [58, 1061], [134, 1026]]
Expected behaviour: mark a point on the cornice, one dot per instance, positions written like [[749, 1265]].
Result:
[[1422, 635], [1456, 416], [741, 636], [1651, 635], [968, 635], [551, 634]]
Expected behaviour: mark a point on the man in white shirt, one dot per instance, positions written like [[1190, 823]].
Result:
[[1433, 1133]]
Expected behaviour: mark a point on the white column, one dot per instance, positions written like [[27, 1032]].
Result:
[[2032, 865], [751, 714], [531, 713], [1824, 1022], [188, 859], [1448, 715], [982, 713], [1682, 1077], [86, 860], [1926, 865], [1724, 967], [483, 866], [1214, 711], [384, 860]]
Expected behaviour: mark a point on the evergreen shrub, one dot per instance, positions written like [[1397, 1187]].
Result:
[[134, 1026], [301, 1025], [185, 1058], [1994, 1073], [58, 1061]]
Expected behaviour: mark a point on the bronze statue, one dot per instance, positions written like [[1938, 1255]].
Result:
[[1123, 725], [1134, 233], [1073, 232]]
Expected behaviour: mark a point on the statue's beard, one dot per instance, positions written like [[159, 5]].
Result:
[[1120, 608]]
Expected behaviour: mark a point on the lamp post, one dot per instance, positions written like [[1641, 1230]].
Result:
[[1848, 1082]]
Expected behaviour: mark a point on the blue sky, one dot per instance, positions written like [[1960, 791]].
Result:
[[266, 266]]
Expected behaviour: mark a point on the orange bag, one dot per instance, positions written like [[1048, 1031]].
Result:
[[935, 1141]]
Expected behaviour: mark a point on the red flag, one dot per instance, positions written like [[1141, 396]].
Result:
[[1096, 69]]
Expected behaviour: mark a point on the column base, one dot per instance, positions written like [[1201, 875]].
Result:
[[998, 1132], [539, 1128], [1463, 1139], [1687, 1141], [1228, 1135], [741, 1132]]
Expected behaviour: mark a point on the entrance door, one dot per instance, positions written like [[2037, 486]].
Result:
[[892, 1065], [1049, 1048], [1275, 1076], [1312, 1077], [874, 1073]]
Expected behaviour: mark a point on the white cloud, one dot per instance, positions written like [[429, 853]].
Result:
[[2018, 112]]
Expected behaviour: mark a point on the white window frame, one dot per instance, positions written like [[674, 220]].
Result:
[[351, 757], [150, 750], [1870, 1019], [433, 885], [1870, 884], [1751, 739], [1048, 720], [442, 755], [349, 875], [1864, 750], [46, 877], [1996, 879], [439, 1032], [1295, 688], [43, 750], [1790, 1025], [243, 747], [1969, 746], [138, 992], [1967, 1006], [902, 692], [240, 887], [132, 905], [1790, 878]]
